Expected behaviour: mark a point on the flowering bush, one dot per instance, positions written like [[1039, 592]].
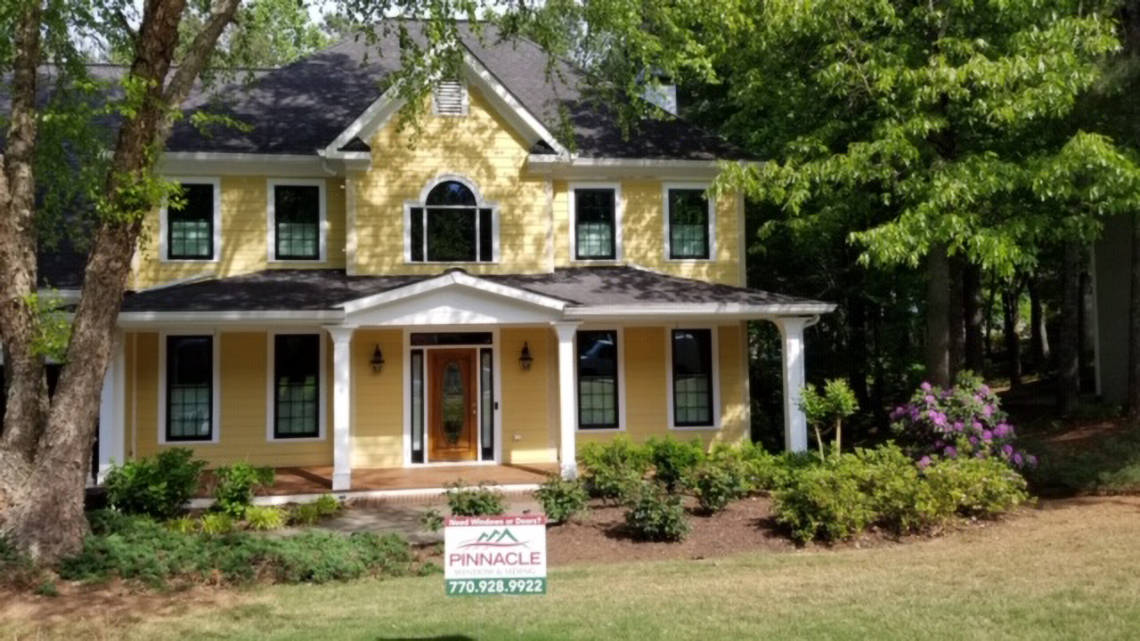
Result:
[[965, 420]]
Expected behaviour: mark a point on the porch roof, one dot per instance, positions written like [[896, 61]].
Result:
[[579, 292]]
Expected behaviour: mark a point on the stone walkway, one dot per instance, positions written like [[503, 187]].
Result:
[[403, 518]]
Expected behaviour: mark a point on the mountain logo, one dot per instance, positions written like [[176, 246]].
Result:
[[495, 539]]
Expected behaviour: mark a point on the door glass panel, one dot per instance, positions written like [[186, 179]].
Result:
[[453, 409]]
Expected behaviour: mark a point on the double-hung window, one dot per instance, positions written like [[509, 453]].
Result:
[[189, 388], [689, 224], [296, 386], [451, 226], [190, 223], [692, 380], [296, 220], [596, 224], [598, 380]]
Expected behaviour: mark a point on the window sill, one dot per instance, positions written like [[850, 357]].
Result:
[[297, 261], [199, 261], [306, 439], [690, 260], [602, 262], [450, 262], [695, 428], [598, 430]]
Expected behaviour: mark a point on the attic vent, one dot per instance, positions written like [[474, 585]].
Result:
[[449, 98]]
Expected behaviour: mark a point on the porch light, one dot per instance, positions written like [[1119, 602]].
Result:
[[377, 360], [525, 359]]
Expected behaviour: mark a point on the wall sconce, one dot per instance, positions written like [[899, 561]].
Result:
[[525, 359], [377, 360]]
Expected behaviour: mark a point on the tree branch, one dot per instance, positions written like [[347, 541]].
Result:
[[221, 15]]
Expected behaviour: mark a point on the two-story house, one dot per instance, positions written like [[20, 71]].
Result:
[[339, 297]]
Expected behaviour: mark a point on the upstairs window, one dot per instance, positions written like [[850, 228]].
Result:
[[449, 98], [692, 378], [296, 385], [451, 226], [189, 388], [596, 225], [296, 212], [690, 224], [190, 223]]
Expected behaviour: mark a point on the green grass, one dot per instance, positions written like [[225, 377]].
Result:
[[1063, 572]]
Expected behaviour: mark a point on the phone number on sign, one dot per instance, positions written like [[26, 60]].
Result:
[[496, 586]]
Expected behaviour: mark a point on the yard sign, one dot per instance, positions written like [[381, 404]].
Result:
[[494, 555]]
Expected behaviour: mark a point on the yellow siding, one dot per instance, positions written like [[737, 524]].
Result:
[[378, 400], [242, 434], [483, 148], [528, 435], [643, 233], [245, 228]]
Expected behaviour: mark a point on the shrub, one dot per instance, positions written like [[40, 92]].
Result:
[[654, 514], [474, 501], [156, 485], [216, 523], [183, 524], [826, 501], [327, 505], [613, 469], [673, 459], [305, 514], [978, 487], [834, 404], [263, 518], [562, 499], [966, 420], [236, 487], [432, 521], [724, 476], [138, 548]]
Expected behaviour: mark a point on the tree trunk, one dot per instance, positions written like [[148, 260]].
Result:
[[1069, 350], [938, 317], [1011, 314], [1039, 334], [857, 347], [43, 498], [957, 316], [972, 302]]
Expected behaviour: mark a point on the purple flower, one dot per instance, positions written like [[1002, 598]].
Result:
[[988, 410], [1007, 449], [987, 435], [929, 399], [950, 452], [938, 444], [977, 426], [1001, 430], [985, 389], [926, 387], [1031, 460], [923, 462], [974, 441], [1017, 460], [958, 427]]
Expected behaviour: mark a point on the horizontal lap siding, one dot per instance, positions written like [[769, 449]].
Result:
[[243, 426], [481, 147], [378, 400], [245, 226], [526, 397]]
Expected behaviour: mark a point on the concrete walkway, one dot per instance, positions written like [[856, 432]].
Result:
[[403, 518]]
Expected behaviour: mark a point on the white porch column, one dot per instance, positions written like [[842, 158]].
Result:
[[795, 423], [112, 411], [568, 399], [342, 407]]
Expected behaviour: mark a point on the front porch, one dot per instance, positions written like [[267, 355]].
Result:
[[298, 484]]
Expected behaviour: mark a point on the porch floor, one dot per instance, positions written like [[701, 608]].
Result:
[[318, 480]]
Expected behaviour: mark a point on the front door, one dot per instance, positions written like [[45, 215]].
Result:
[[453, 408]]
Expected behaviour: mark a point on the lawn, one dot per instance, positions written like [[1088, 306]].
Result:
[[1065, 570]]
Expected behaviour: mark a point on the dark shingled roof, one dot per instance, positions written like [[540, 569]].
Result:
[[324, 289]]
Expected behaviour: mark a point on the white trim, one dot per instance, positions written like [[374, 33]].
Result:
[[147, 319], [567, 382], [369, 122], [569, 167], [670, 399], [741, 239], [619, 207], [711, 199], [350, 242], [245, 164], [271, 186], [286, 499], [792, 356], [216, 387], [342, 406], [699, 309], [214, 182], [508, 106], [270, 376], [452, 278], [622, 425], [480, 203], [112, 411]]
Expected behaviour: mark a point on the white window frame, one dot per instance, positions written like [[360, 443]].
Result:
[[714, 345], [622, 425], [480, 203], [270, 380], [271, 186], [703, 186], [619, 253], [466, 104], [215, 387], [163, 222]]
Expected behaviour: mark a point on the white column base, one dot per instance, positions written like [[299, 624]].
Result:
[[568, 400], [342, 481]]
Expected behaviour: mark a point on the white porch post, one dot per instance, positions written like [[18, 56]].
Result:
[[342, 407], [795, 423], [568, 399], [111, 411]]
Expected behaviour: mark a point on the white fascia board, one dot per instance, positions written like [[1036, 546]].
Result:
[[508, 105], [366, 124], [446, 280], [577, 168], [699, 310], [189, 163], [142, 319]]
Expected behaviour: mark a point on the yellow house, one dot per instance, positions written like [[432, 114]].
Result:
[[359, 303]]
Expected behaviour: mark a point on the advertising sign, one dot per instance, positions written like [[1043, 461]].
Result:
[[486, 555]]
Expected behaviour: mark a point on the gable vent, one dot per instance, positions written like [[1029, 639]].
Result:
[[449, 98]]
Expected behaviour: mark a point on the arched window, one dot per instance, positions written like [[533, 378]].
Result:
[[451, 225]]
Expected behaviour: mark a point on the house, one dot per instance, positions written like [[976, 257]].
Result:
[[352, 301]]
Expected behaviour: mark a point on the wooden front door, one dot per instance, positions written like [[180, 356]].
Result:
[[453, 405]]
